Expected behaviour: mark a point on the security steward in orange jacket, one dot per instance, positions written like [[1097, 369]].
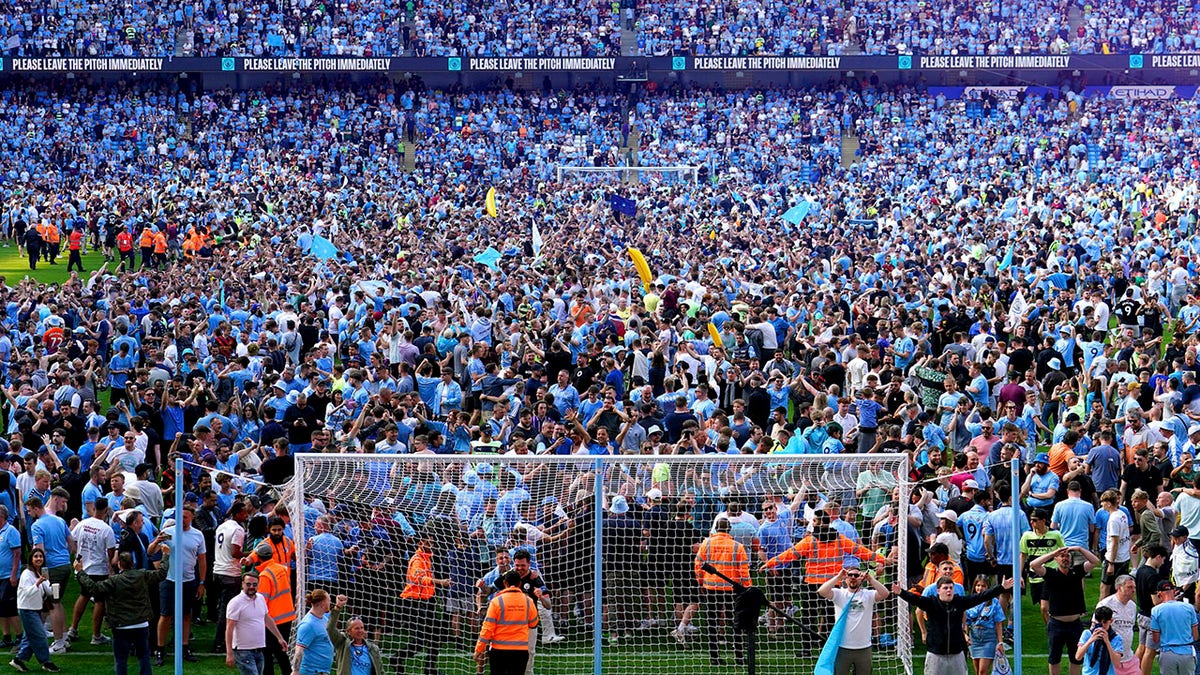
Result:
[[274, 584], [75, 246], [146, 243], [160, 249], [504, 636], [418, 610], [53, 242], [730, 558]]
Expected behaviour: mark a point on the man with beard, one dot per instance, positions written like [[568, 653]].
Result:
[[1041, 485]]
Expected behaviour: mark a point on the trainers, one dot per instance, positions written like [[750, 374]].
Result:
[[101, 639], [19, 666], [49, 667], [159, 657], [553, 640], [189, 656], [679, 637], [58, 648], [73, 634], [691, 629], [646, 624]]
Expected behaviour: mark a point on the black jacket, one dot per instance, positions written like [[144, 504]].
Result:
[[945, 624]]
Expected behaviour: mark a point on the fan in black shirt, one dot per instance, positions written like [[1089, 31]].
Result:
[[1067, 604]]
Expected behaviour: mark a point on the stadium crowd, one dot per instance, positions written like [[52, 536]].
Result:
[[260, 277], [529, 28]]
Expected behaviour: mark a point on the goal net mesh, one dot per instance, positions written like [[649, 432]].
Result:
[[649, 175], [359, 519]]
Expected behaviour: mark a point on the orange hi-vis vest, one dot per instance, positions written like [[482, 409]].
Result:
[[147, 239], [510, 617], [283, 553], [729, 557], [275, 585], [75, 241], [419, 579], [824, 559], [52, 235], [160, 243]]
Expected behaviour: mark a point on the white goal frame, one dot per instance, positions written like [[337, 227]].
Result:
[[631, 174], [295, 495]]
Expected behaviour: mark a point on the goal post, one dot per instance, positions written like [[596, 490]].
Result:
[[621, 593], [653, 175]]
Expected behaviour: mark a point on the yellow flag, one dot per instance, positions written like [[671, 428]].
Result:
[[643, 269], [491, 202], [715, 335]]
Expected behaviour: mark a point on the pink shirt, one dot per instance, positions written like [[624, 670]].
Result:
[[250, 615]]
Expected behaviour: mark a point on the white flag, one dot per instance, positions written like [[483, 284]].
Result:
[[1016, 312], [537, 240]]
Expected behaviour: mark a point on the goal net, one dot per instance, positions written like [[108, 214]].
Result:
[[621, 592], [651, 175]]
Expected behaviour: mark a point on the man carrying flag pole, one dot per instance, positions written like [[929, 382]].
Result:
[[848, 649]]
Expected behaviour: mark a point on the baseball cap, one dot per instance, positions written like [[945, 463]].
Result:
[[948, 515], [1166, 585], [970, 484], [654, 494]]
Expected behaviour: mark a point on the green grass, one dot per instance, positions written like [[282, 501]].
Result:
[[14, 267]]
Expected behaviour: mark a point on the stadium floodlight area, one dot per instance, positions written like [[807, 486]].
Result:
[[627, 550], [652, 175]]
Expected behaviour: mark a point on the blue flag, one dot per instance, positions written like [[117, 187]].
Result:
[[1007, 261], [623, 205], [829, 652], [489, 257], [323, 249], [797, 213]]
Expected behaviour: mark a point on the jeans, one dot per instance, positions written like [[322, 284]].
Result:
[[135, 642], [33, 642], [248, 661]]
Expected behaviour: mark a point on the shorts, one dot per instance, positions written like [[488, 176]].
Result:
[[460, 605], [974, 568], [1118, 569], [1036, 591], [685, 590], [97, 578], [166, 597], [59, 575], [8, 600], [1063, 636], [1143, 626]]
